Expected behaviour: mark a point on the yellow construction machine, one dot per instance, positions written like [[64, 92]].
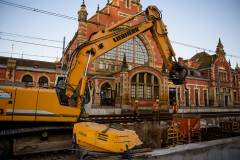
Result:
[[25, 110]]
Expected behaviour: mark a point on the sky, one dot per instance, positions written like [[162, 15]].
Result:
[[196, 22]]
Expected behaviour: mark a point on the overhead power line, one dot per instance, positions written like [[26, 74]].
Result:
[[74, 18], [31, 55], [30, 37], [38, 44], [201, 48], [37, 10], [192, 46]]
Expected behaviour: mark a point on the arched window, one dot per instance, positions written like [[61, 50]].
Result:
[[144, 86], [27, 79], [43, 81], [134, 49]]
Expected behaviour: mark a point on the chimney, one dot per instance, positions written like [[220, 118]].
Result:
[[180, 61]]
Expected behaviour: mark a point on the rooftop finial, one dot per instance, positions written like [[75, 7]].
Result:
[[220, 49], [83, 4], [98, 8], [220, 43]]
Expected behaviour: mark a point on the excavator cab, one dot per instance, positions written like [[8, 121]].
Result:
[[60, 86]]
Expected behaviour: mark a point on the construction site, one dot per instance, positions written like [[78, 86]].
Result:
[[118, 92], [182, 136]]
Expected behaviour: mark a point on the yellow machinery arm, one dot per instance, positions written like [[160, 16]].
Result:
[[111, 37]]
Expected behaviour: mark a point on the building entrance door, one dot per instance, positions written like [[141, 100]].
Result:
[[187, 98], [196, 98], [226, 100], [205, 98], [172, 95], [106, 94]]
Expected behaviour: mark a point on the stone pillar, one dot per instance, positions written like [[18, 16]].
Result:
[[124, 88], [163, 99], [96, 96], [217, 97], [231, 97]]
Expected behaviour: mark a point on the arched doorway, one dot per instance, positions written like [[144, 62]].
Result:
[[43, 81], [106, 95]]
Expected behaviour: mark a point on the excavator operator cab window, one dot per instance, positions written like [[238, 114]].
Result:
[[88, 92], [61, 89], [87, 96], [60, 81]]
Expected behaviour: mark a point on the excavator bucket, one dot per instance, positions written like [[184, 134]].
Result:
[[96, 137]]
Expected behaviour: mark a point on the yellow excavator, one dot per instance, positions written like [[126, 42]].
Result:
[[25, 110]]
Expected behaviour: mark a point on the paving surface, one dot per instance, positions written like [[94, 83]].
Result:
[[221, 149]]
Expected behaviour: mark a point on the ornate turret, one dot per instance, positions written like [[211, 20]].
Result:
[[220, 49], [82, 13], [82, 24]]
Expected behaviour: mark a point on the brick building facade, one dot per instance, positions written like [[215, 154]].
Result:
[[143, 78], [133, 70], [222, 80], [29, 72]]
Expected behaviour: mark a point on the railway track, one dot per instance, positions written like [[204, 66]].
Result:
[[125, 118], [210, 114]]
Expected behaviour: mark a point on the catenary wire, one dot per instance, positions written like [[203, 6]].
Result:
[[24, 54], [38, 44], [201, 48], [29, 37], [37, 10]]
